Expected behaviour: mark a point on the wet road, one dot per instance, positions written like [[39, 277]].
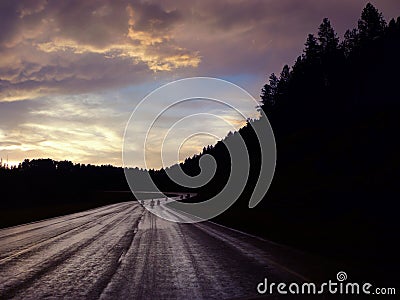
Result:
[[122, 251]]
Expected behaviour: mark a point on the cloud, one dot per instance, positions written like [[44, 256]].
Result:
[[65, 47], [76, 128], [72, 71], [69, 47]]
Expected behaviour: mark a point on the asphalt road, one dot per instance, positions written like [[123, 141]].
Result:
[[122, 251]]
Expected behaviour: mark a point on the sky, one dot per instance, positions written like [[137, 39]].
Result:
[[72, 72]]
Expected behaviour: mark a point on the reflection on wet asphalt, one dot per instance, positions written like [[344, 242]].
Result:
[[122, 251]]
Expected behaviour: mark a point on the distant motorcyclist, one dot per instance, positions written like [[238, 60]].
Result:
[[151, 203]]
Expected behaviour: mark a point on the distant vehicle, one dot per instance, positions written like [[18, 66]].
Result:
[[158, 202], [151, 203]]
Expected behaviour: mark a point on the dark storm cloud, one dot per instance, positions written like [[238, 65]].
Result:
[[74, 46], [152, 17], [9, 18], [77, 46]]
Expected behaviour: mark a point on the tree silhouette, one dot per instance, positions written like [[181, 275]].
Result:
[[312, 48], [350, 42], [270, 91], [327, 37], [284, 79], [371, 24]]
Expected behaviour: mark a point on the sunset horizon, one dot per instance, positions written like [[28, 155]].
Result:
[[66, 93]]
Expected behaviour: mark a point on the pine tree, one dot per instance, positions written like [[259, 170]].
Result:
[[269, 91], [312, 48], [285, 74], [372, 24], [351, 41], [327, 37], [284, 80]]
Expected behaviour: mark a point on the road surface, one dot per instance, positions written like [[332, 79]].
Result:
[[122, 251]]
